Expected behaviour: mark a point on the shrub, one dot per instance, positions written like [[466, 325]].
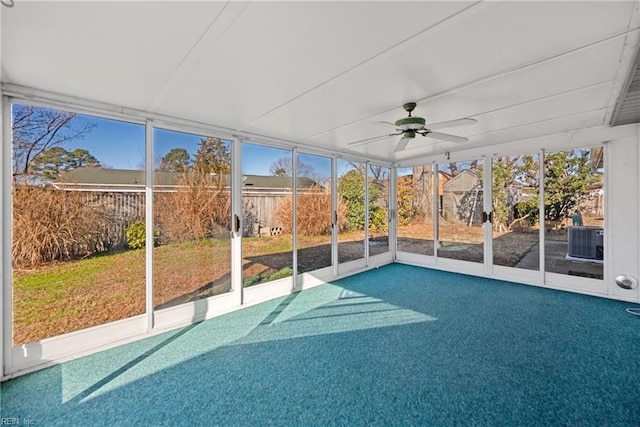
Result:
[[314, 213], [136, 235], [407, 201], [378, 219], [351, 188], [53, 225], [281, 274]]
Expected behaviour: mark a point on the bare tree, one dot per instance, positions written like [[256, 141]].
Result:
[[458, 167], [37, 129], [284, 167], [378, 173], [423, 184]]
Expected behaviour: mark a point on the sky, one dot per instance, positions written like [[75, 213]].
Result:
[[121, 145]]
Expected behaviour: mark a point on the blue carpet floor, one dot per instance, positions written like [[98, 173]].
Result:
[[398, 345]]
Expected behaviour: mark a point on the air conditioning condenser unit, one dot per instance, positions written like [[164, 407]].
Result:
[[586, 242]]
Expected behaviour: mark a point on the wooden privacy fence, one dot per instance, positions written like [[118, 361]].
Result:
[[123, 208]]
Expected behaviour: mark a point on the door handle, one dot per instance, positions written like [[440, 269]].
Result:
[[236, 223]]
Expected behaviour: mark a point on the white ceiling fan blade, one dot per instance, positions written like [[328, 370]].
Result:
[[386, 124], [369, 140], [402, 144], [451, 123], [446, 137]]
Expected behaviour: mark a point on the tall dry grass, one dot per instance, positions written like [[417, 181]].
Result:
[[50, 225], [199, 209], [314, 214]]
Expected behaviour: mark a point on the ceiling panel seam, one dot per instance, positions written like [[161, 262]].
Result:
[[545, 98], [485, 79], [227, 16], [537, 122], [518, 104], [457, 15]]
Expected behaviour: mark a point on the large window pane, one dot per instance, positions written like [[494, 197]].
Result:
[[351, 202], [460, 204], [192, 217], [574, 212], [313, 212], [516, 229], [267, 245], [78, 222], [415, 190], [378, 209]]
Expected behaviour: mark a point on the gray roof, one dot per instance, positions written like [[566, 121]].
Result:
[[108, 177]]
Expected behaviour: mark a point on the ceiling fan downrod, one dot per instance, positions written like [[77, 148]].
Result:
[[409, 107]]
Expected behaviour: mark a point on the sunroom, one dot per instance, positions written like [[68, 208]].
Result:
[[164, 163]]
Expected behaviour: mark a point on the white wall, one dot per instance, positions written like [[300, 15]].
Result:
[[622, 198]]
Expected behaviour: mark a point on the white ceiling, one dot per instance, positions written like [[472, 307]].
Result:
[[320, 73]]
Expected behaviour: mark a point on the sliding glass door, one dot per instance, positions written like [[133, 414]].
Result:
[[516, 206], [192, 217], [351, 211], [415, 209], [574, 213], [267, 197], [460, 209], [378, 184], [313, 210], [78, 220]]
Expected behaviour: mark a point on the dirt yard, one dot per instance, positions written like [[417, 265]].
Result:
[[466, 243]]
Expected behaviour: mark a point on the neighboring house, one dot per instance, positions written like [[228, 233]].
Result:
[[462, 198], [127, 180], [422, 182]]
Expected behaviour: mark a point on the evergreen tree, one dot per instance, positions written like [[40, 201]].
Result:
[[213, 156], [176, 160], [51, 162]]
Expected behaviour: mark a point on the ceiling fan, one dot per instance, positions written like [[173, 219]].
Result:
[[411, 126]]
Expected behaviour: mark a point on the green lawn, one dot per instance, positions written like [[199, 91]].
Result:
[[67, 296]]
